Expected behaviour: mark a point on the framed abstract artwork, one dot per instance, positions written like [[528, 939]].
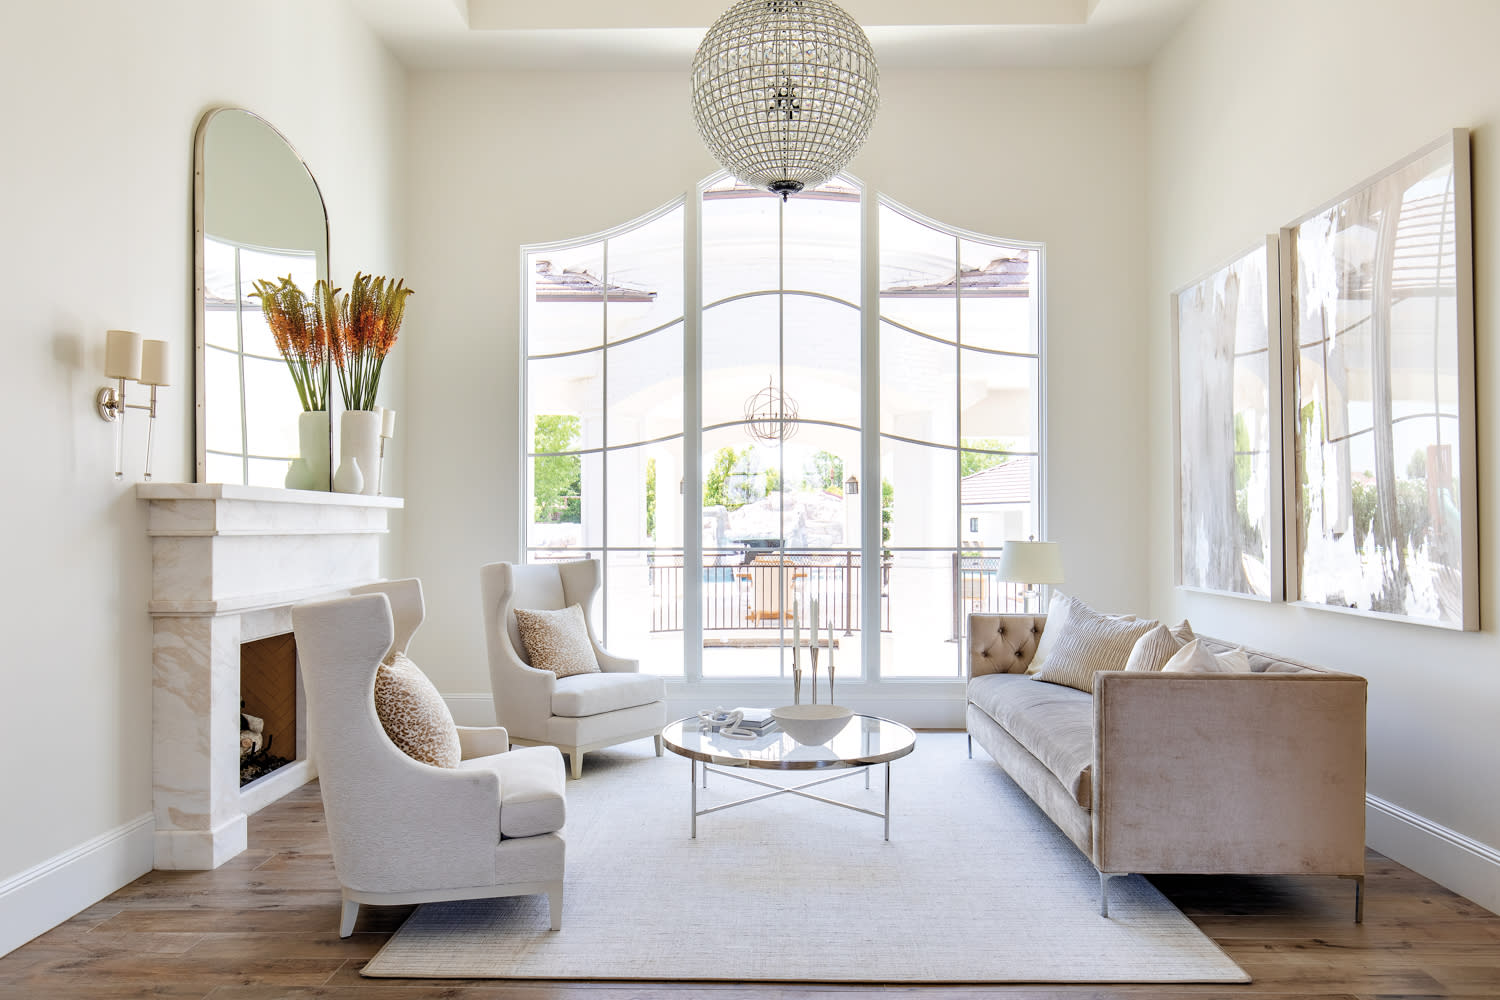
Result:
[[1228, 417], [1379, 317]]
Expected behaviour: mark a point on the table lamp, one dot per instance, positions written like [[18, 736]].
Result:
[[1031, 562]]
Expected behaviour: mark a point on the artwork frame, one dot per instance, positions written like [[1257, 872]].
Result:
[[1378, 336], [1228, 448]]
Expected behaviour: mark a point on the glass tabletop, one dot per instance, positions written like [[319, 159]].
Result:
[[865, 739]]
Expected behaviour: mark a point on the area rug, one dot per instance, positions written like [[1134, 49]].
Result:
[[975, 886]]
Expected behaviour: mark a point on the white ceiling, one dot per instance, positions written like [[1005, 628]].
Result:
[[662, 34]]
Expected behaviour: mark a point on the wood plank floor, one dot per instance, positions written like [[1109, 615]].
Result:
[[263, 927]]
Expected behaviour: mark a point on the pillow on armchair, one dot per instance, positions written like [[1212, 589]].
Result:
[[414, 715], [557, 640]]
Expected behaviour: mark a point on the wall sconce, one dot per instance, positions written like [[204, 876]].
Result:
[[128, 358], [851, 486]]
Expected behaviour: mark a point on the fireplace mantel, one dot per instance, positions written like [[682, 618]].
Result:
[[227, 564]]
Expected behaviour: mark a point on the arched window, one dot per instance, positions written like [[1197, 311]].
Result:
[[861, 388]]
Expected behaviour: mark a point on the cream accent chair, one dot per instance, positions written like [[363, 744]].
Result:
[[575, 714], [403, 831]]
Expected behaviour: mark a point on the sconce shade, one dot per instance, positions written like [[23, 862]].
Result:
[[1031, 562], [156, 363], [122, 355]]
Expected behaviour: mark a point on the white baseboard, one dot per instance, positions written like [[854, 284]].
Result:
[[1463, 864], [43, 896]]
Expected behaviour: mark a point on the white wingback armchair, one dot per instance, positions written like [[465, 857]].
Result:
[[404, 831], [579, 713]]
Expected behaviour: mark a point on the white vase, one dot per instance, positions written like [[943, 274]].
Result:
[[310, 470], [359, 438], [349, 478]]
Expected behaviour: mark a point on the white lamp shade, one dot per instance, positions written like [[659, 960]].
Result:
[[1031, 562], [156, 363], [122, 354], [387, 422]]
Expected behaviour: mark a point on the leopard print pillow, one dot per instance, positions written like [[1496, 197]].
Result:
[[557, 641], [414, 715]]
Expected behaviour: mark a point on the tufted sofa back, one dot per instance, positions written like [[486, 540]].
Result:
[[1003, 644]]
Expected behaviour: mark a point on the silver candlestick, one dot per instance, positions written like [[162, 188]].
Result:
[[813, 655]]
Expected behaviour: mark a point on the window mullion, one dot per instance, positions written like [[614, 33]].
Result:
[[692, 440], [871, 551]]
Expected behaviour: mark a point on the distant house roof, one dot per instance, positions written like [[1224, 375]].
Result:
[[1008, 483], [581, 285], [1001, 277]]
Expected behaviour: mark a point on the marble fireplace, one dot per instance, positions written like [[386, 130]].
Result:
[[227, 564]]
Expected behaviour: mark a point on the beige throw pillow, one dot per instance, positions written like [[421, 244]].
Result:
[[1091, 642], [1059, 608], [1196, 658], [414, 715], [557, 641], [1156, 647]]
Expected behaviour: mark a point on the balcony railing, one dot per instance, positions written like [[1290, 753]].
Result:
[[756, 589]]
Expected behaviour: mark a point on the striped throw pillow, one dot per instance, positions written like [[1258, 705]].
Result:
[[1156, 647], [1091, 642]]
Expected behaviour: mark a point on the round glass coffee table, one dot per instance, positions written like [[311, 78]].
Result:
[[865, 741]]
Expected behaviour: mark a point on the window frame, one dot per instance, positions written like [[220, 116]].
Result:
[[876, 691]]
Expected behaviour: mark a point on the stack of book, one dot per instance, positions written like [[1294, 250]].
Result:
[[756, 720]]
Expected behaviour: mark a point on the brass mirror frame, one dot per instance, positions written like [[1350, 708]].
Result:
[[200, 316]]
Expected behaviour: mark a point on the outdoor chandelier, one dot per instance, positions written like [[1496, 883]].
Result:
[[785, 92], [771, 415]]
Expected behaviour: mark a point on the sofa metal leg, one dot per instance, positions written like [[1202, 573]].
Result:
[[1359, 897], [1104, 878], [554, 898], [971, 746], [657, 738], [347, 916]]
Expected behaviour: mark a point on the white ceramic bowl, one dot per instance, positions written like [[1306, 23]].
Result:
[[812, 724]]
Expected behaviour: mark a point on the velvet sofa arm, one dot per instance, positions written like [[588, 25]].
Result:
[[1229, 773]]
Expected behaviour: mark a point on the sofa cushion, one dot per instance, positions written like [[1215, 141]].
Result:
[[531, 789], [1091, 642], [590, 694], [1054, 723], [1156, 647], [1196, 658]]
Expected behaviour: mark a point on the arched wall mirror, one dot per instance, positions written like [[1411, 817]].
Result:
[[257, 214]]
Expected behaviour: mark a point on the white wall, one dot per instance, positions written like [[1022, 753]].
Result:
[[100, 101], [1259, 113], [497, 160]]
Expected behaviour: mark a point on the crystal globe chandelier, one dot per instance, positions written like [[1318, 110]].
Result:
[[785, 92]]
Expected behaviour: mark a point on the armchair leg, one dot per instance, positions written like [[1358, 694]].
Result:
[[657, 738], [554, 898], [347, 916], [575, 759]]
